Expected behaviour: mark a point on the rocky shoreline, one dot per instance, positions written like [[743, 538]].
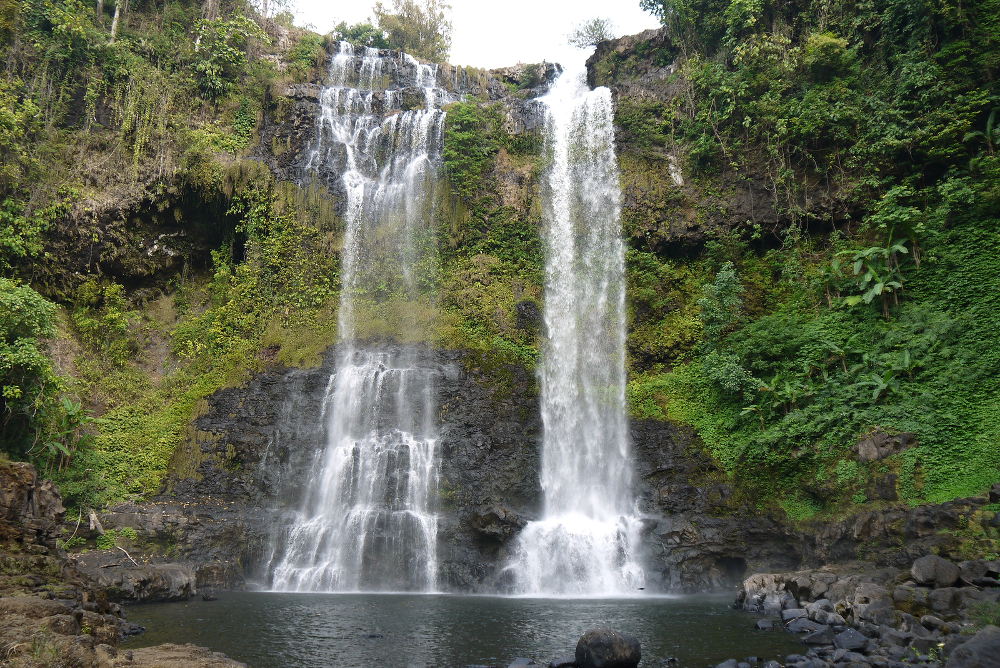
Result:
[[51, 612], [857, 615], [66, 607]]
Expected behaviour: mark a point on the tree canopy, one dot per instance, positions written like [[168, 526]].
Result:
[[592, 32], [420, 28]]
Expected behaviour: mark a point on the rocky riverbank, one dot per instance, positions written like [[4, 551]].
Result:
[[935, 613], [51, 612]]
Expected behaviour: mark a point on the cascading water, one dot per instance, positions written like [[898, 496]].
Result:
[[367, 521], [585, 542]]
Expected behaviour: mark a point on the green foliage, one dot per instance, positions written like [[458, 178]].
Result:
[[590, 33], [308, 53], [985, 613], [471, 142], [221, 52], [28, 382], [887, 108], [721, 303], [275, 277], [20, 121], [419, 27], [664, 316], [364, 34]]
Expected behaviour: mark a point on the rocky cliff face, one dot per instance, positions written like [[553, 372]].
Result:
[[249, 453], [244, 459]]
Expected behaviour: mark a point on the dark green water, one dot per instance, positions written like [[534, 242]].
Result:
[[270, 630]]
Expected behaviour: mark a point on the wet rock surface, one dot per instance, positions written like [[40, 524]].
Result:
[[857, 614], [604, 648], [243, 462]]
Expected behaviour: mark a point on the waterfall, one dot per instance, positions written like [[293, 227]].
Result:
[[366, 521], [585, 542]]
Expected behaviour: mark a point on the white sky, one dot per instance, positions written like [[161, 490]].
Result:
[[497, 33]]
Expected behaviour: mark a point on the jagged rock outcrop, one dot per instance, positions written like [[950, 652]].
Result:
[[51, 613], [246, 459], [290, 127]]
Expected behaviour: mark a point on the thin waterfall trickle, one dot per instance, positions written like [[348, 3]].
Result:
[[367, 518], [585, 543]]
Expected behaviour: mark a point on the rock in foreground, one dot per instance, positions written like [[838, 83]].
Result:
[[604, 648]]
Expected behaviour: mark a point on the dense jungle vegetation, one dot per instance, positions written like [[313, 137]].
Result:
[[876, 311], [785, 346]]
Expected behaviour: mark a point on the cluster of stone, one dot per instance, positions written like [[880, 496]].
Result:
[[849, 616]]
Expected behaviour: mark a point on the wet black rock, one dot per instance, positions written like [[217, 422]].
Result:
[[850, 639], [803, 625], [604, 648], [793, 613], [982, 651], [933, 570], [823, 636]]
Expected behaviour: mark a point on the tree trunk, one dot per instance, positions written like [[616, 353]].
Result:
[[100, 9], [114, 21]]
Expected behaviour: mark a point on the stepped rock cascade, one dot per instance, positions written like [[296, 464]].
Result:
[[366, 521], [584, 544]]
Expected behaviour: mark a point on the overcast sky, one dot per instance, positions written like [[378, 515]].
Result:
[[495, 33]]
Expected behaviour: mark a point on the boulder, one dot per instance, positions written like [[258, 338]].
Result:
[[821, 605], [803, 625], [945, 600], [793, 613], [934, 570], [605, 648], [147, 582], [982, 651], [764, 625], [850, 640], [821, 637]]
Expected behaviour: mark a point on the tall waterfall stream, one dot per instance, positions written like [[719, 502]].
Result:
[[367, 520], [585, 542]]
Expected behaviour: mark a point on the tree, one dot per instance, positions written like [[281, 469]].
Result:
[[364, 34], [591, 33], [27, 379], [221, 52], [418, 27]]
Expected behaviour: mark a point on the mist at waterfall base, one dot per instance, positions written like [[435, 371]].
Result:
[[270, 630]]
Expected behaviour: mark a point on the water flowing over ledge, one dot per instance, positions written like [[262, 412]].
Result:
[[586, 540], [367, 520]]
